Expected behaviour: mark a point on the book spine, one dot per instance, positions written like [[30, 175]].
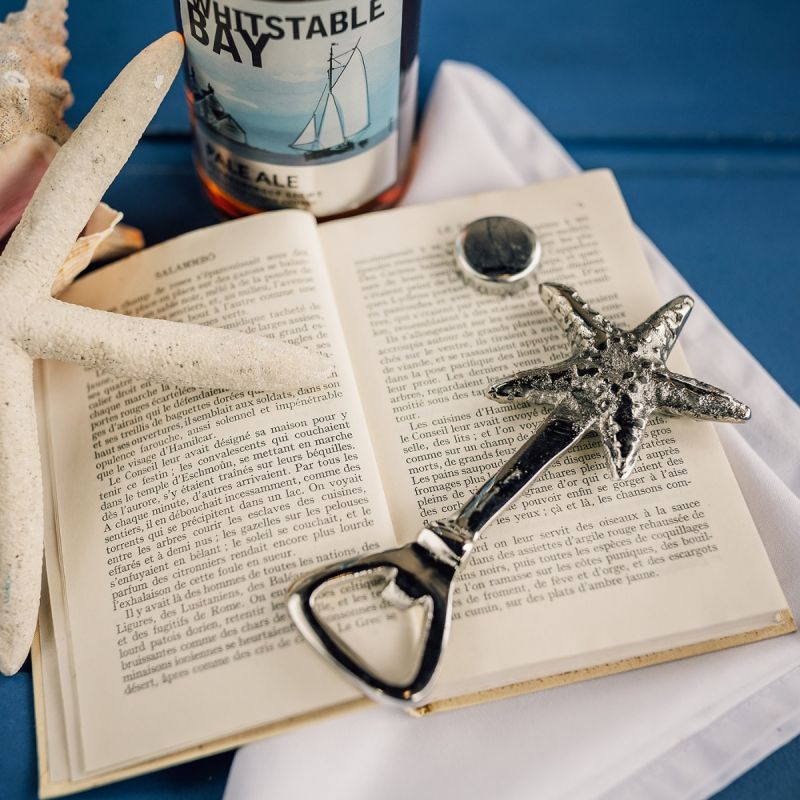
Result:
[[301, 104]]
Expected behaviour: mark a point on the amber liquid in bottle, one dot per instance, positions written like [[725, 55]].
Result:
[[360, 60]]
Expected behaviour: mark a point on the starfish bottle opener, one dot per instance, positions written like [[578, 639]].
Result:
[[612, 383]]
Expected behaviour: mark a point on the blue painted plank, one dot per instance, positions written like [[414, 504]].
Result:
[[695, 69], [727, 218], [18, 771], [775, 778], [159, 192]]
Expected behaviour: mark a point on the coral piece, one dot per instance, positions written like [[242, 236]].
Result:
[[35, 325], [33, 54]]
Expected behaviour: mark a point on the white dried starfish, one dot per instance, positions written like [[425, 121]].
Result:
[[35, 325]]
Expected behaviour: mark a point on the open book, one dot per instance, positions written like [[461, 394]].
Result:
[[181, 516]]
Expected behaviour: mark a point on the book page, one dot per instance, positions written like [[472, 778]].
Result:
[[581, 569], [183, 514]]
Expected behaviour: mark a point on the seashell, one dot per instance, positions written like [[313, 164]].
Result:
[[116, 241], [23, 161], [103, 239]]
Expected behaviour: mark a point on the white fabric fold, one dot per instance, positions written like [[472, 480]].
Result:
[[678, 730]]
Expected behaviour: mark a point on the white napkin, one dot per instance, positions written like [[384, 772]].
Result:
[[683, 729]]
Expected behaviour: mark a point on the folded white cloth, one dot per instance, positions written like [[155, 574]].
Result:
[[683, 729]]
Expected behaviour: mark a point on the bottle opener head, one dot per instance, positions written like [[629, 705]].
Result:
[[420, 573]]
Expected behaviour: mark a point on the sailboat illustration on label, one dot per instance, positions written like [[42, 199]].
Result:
[[342, 110]]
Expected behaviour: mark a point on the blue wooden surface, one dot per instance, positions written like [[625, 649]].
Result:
[[695, 104]]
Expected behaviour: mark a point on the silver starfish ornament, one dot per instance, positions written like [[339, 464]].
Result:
[[615, 379], [613, 382]]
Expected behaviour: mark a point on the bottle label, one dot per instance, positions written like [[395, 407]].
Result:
[[296, 104]]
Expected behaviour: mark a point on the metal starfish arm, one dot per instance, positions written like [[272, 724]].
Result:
[[539, 385], [687, 397], [621, 435], [659, 332], [581, 323], [84, 167], [176, 353], [21, 514]]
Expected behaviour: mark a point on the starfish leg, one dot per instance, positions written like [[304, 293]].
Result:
[[176, 353], [541, 385], [687, 397], [621, 434], [659, 332], [582, 324], [21, 514]]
